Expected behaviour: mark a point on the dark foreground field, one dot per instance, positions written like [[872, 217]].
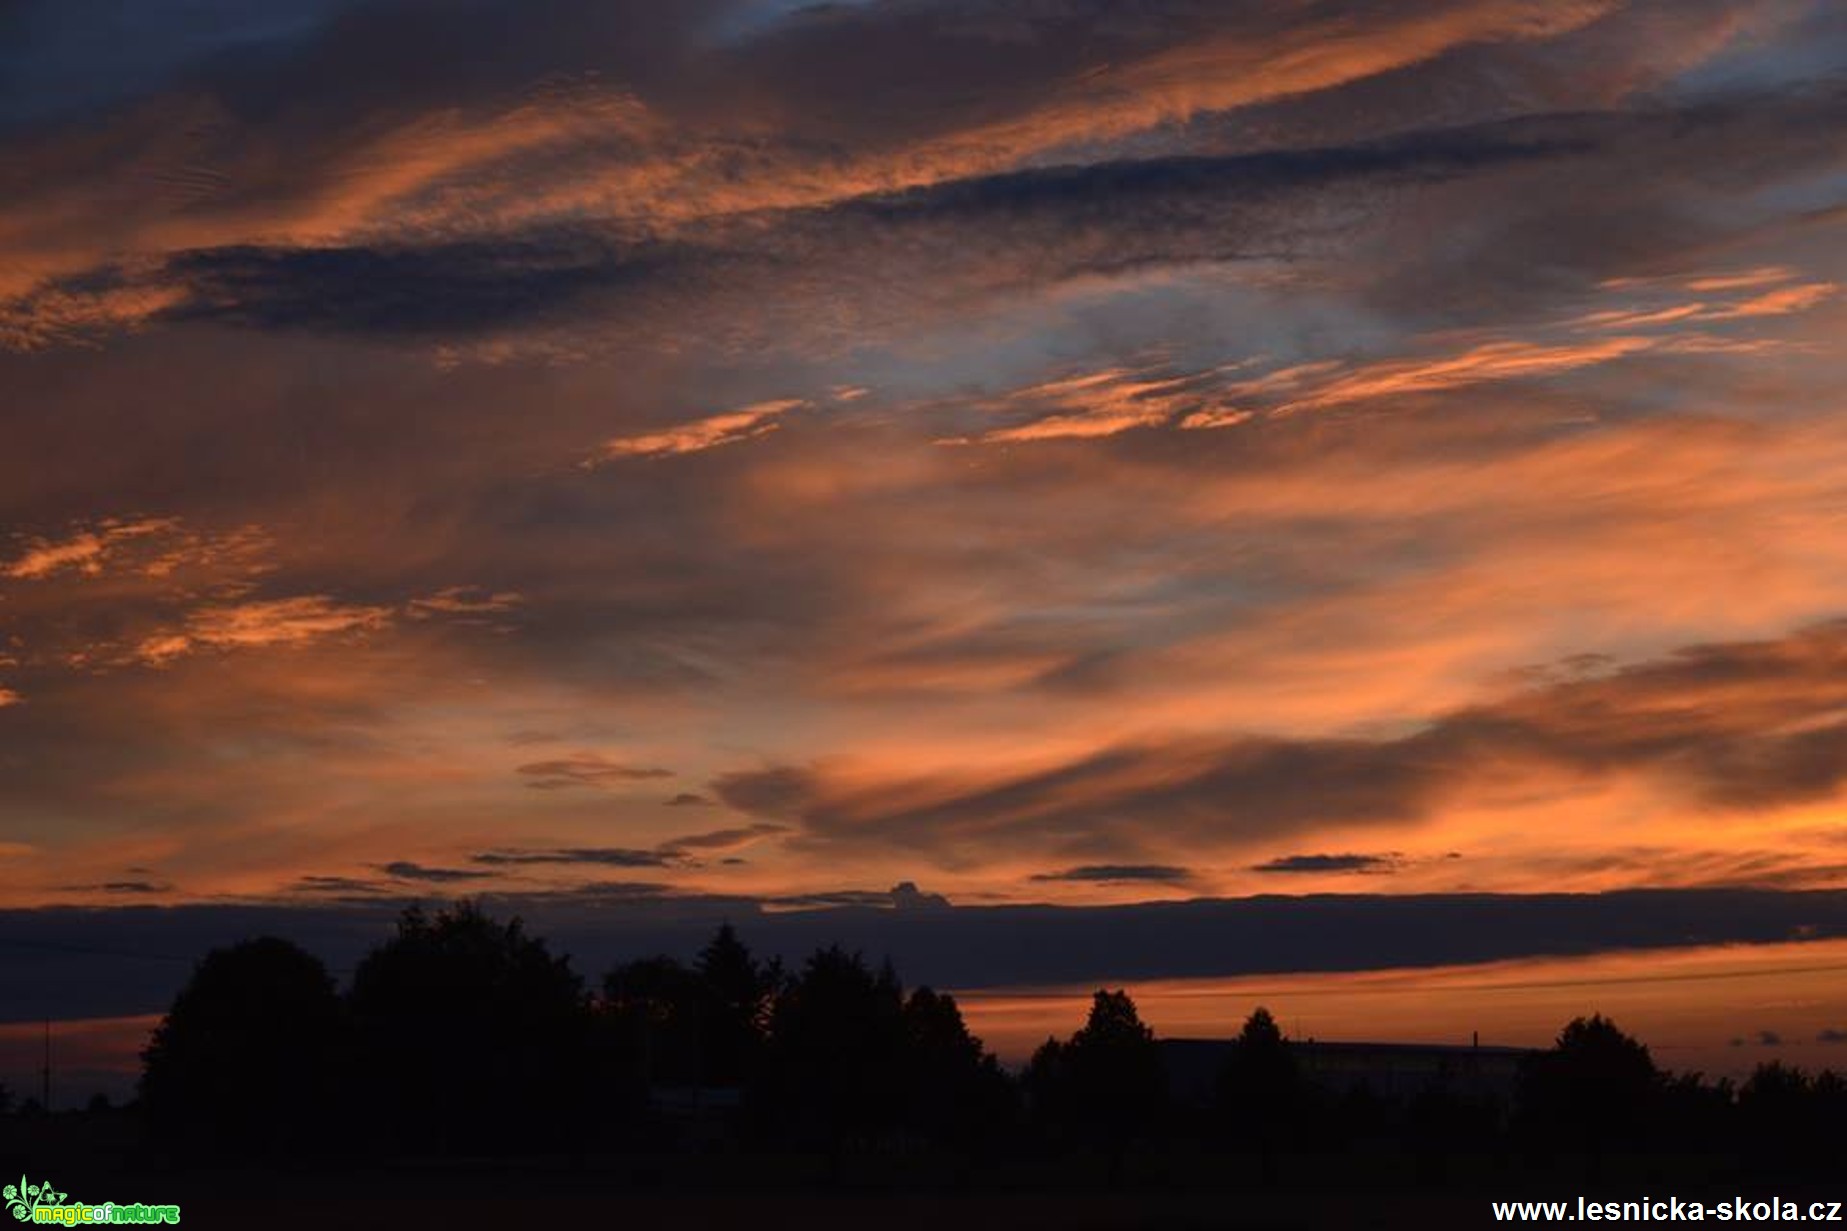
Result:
[[99, 1158]]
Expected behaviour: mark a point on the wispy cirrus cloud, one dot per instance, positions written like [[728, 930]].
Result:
[[84, 550], [698, 435], [1106, 403], [1513, 317], [1736, 727], [613, 857], [261, 623]]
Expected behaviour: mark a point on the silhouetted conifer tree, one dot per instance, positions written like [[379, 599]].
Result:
[[837, 1051], [1106, 1084]]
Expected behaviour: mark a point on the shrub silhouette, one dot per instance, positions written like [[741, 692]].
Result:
[[249, 1057]]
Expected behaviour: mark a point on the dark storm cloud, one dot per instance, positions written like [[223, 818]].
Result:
[[1742, 725]]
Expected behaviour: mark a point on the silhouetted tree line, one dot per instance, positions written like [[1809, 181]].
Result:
[[462, 1036]]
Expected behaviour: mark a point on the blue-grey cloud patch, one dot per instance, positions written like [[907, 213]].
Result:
[[564, 773], [126, 887], [724, 839], [673, 852], [115, 961], [319, 885], [52, 63], [405, 870], [1328, 863], [1119, 873], [431, 289], [904, 896], [614, 857]]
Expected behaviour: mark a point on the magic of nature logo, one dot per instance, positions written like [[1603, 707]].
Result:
[[41, 1203]]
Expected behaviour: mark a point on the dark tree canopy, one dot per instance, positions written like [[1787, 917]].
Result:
[[471, 1032], [956, 1089], [1790, 1117], [1260, 1087], [464, 1036], [1107, 1080], [739, 992], [703, 1026], [837, 1048], [654, 1006], [1596, 1084], [248, 1057]]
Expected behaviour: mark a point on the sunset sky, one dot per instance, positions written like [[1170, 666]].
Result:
[[612, 452]]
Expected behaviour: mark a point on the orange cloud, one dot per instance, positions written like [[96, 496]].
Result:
[[1490, 361], [1781, 302], [699, 435], [1239, 70], [1094, 405], [82, 551], [264, 622], [181, 174], [464, 601]]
